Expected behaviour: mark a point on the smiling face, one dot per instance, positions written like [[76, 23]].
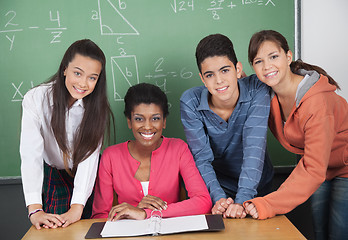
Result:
[[147, 123], [220, 76], [81, 76], [271, 64]]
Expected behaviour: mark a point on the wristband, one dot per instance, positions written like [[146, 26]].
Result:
[[35, 211]]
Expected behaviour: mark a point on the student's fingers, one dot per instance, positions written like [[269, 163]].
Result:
[[67, 223], [46, 219], [239, 210], [47, 223], [229, 201], [218, 209], [215, 210], [222, 203], [243, 214], [235, 211], [72, 215], [56, 219], [251, 210], [225, 203], [37, 226], [254, 213], [229, 210], [249, 207]]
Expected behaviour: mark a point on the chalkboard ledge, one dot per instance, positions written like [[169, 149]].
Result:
[[10, 180]]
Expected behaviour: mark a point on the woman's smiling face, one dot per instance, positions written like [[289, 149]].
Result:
[[147, 123]]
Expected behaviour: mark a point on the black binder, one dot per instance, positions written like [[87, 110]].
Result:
[[214, 222]]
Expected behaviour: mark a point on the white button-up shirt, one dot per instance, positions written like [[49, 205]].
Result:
[[39, 144]]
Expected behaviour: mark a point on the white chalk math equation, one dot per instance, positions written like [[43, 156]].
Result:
[[11, 27], [216, 6], [18, 94], [160, 76]]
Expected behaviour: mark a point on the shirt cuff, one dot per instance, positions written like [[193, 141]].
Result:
[[241, 199], [217, 197], [33, 198], [79, 198]]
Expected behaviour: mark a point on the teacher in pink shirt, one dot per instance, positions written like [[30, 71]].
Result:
[[146, 172]]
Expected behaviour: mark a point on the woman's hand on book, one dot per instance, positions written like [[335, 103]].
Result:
[[126, 211], [153, 203]]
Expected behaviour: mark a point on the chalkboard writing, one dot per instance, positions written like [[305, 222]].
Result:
[[144, 41]]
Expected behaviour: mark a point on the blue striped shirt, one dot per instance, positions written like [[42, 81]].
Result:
[[231, 156]]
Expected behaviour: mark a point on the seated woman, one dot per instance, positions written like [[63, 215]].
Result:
[[145, 172]]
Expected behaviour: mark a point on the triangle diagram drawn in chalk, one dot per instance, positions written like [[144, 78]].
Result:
[[112, 22], [124, 74]]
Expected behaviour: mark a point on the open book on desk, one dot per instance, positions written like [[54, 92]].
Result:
[[155, 226]]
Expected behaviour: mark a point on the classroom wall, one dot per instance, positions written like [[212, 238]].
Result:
[[324, 37]]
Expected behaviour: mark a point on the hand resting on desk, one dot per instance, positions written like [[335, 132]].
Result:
[[126, 211], [251, 209]]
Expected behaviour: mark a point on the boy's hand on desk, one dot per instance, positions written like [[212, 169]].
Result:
[[153, 203], [221, 205], [251, 209], [72, 215], [126, 211], [235, 211]]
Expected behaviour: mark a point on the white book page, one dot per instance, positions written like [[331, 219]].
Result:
[[183, 224], [126, 227]]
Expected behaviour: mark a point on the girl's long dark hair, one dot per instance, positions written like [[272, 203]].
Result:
[[270, 35], [97, 115]]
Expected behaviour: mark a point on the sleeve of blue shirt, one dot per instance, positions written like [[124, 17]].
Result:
[[254, 140], [198, 142]]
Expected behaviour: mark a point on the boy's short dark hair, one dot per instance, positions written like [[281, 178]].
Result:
[[145, 93], [215, 45]]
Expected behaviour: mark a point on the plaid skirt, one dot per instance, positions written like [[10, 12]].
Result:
[[57, 191]]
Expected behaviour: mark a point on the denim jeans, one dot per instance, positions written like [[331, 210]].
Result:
[[330, 210]]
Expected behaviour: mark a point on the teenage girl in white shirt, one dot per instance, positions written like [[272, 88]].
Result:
[[63, 125]]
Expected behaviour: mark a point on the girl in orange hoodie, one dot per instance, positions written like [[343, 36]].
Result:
[[308, 118]]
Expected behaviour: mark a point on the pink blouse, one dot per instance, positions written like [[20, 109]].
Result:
[[169, 162]]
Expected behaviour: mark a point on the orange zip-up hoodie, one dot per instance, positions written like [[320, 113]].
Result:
[[317, 129]]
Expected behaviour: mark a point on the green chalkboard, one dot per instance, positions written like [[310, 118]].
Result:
[[144, 41]]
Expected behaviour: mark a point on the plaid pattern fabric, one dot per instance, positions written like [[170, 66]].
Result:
[[57, 190], [58, 187]]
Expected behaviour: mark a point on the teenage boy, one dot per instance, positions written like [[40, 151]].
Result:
[[225, 123]]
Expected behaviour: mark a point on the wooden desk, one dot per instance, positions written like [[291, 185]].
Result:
[[275, 228]]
